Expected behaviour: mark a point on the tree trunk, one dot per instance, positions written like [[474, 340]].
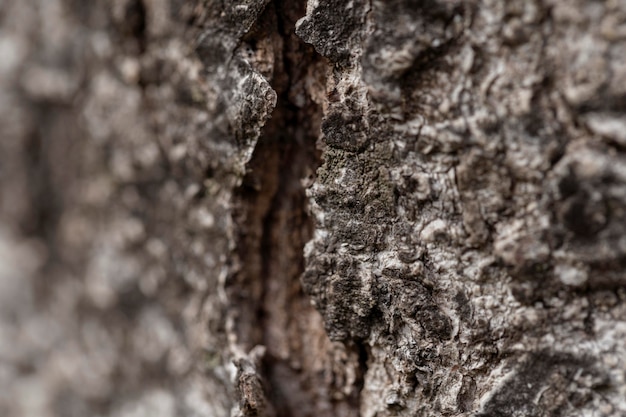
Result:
[[342, 208]]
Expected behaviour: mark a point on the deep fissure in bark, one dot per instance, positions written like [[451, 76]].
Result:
[[273, 224]]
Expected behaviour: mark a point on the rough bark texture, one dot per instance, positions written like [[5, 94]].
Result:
[[341, 208]]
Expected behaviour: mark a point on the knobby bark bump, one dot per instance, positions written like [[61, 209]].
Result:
[[334, 208]]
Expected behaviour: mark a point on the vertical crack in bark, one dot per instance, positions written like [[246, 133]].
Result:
[[273, 226]]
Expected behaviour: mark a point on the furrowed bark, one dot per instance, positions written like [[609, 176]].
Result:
[[340, 208]]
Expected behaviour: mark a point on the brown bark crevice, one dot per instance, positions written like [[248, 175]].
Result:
[[273, 225]]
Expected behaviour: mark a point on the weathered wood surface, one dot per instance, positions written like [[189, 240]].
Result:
[[341, 208]]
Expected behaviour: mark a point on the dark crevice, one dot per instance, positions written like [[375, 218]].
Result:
[[273, 225], [271, 217], [135, 23], [363, 351], [45, 212], [46, 199]]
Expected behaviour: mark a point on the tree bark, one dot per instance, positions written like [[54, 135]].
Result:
[[341, 208]]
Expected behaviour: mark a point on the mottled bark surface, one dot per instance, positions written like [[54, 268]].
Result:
[[340, 208]]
